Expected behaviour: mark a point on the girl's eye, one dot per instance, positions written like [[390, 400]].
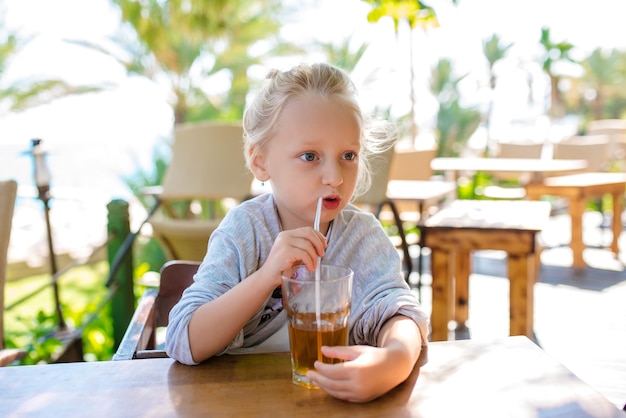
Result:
[[308, 156], [350, 156]]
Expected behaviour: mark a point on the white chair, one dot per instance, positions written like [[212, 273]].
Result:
[[207, 173], [8, 195]]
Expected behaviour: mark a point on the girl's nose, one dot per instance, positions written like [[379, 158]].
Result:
[[332, 174]]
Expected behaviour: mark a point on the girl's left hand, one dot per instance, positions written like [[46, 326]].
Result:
[[366, 373]]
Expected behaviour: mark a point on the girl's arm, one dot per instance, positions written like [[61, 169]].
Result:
[[216, 323]]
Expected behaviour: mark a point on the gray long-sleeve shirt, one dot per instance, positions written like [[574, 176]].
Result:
[[243, 242]]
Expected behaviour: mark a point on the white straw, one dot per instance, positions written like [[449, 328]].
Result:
[[316, 226]]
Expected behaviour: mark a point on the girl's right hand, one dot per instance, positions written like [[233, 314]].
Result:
[[294, 247]]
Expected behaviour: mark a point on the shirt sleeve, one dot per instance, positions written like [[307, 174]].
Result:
[[232, 255], [212, 280]]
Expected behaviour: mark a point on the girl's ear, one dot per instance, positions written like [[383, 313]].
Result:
[[257, 165]]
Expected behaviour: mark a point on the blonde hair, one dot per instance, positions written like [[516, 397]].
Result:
[[327, 81]]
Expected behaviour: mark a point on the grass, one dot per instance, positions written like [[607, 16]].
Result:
[[77, 289], [81, 289]]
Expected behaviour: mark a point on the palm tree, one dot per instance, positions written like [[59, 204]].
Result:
[[455, 123], [603, 73], [416, 14], [183, 44], [554, 52], [494, 51], [25, 93], [342, 54]]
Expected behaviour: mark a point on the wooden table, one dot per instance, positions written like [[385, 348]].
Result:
[[578, 188], [467, 225], [508, 377], [538, 167]]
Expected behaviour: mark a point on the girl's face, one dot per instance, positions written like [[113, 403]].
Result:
[[314, 153]]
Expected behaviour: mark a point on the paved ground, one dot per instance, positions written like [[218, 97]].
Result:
[[580, 317]]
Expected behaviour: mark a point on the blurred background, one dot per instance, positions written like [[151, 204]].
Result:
[[103, 82]]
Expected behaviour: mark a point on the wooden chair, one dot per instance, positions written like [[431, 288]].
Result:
[[411, 164], [8, 196], [592, 148], [616, 130], [207, 172], [509, 185], [153, 310], [375, 200]]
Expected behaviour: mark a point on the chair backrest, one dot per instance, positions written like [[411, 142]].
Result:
[[207, 163], [377, 193], [375, 199], [592, 148], [207, 166], [412, 164], [8, 196], [516, 150], [176, 276], [606, 126], [153, 311], [519, 150], [616, 131]]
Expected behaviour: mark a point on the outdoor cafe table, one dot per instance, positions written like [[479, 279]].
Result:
[[508, 377], [465, 226], [538, 167], [577, 189]]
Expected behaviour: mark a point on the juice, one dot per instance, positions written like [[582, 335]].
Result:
[[306, 340]]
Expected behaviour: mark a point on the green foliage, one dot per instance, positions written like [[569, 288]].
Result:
[[37, 340], [494, 51], [184, 44], [98, 340], [32, 324], [455, 123], [342, 54], [416, 13], [604, 77], [148, 255], [554, 52], [25, 93]]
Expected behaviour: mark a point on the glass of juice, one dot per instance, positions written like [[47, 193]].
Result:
[[317, 314]]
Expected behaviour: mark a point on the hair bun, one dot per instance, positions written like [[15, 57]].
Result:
[[272, 73]]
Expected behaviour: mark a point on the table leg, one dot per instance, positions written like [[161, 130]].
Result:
[[462, 270], [576, 209], [442, 294], [618, 208], [521, 304]]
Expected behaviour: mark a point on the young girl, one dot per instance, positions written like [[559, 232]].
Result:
[[306, 134]]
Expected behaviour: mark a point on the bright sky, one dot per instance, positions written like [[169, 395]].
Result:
[[121, 125]]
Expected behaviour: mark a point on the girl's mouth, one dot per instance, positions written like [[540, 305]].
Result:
[[331, 202]]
